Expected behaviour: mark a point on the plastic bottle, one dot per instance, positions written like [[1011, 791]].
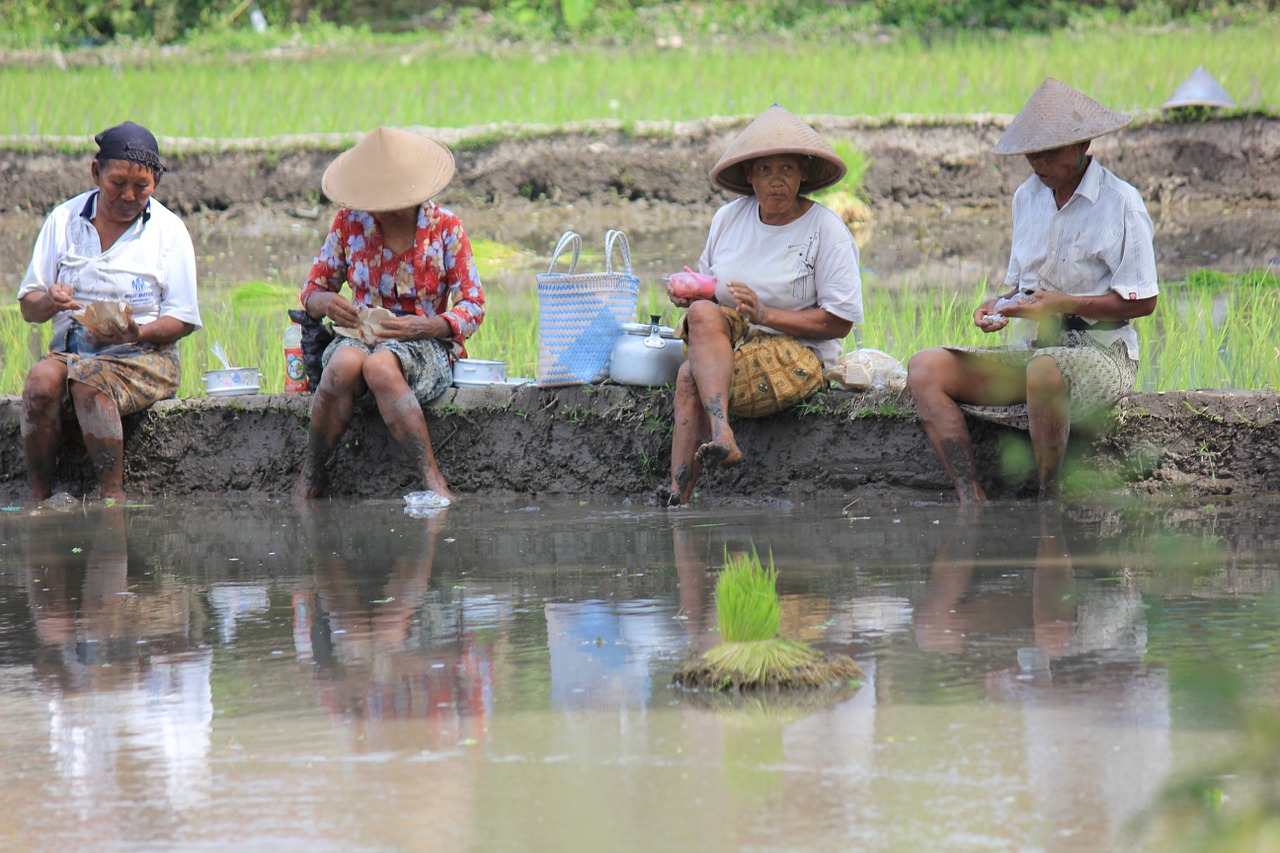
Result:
[[295, 369]]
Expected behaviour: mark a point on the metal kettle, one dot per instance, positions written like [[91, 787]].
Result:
[[646, 354]]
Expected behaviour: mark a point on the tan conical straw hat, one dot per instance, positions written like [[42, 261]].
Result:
[[1199, 90], [388, 169], [1056, 115], [775, 132]]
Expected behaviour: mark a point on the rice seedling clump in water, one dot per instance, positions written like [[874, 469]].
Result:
[[752, 656]]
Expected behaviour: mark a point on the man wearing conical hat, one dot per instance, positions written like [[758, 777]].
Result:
[[787, 292], [415, 298], [1081, 268]]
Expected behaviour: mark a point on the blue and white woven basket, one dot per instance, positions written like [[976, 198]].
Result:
[[580, 315]]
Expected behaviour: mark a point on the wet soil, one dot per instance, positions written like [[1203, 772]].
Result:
[[915, 162], [614, 440]]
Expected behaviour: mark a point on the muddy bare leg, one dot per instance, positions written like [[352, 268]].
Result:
[[1049, 416], [41, 423], [711, 367], [103, 437], [689, 432], [928, 376], [331, 410], [403, 416]]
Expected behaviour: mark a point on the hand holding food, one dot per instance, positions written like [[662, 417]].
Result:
[[107, 319], [998, 317], [691, 285]]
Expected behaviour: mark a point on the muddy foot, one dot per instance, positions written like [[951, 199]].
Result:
[[668, 497], [713, 453]]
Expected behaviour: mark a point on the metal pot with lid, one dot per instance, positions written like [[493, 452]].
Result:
[[646, 354]]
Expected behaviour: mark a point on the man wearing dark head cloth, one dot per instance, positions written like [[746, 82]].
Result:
[[115, 272]]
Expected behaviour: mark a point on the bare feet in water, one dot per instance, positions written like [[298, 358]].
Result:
[[665, 496]]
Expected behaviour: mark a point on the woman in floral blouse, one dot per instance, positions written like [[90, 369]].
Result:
[[396, 250]]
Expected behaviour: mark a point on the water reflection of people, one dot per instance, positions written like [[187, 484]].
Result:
[[122, 665], [383, 644], [1095, 718]]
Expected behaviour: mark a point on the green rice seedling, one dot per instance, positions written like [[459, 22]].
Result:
[[847, 198], [1212, 331], [203, 95], [751, 655]]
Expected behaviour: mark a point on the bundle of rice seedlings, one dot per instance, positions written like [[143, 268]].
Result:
[[751, 655]]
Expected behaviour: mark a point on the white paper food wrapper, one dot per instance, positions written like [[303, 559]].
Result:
[[864, 369]]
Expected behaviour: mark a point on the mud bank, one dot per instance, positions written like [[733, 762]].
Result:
[[613, 440], [936, 160]]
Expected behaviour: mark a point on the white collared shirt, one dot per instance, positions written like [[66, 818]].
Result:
[[809, 263], [1102, 239], [152, 265]]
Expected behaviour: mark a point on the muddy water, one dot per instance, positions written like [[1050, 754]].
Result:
[[494, 677], [939, 247]]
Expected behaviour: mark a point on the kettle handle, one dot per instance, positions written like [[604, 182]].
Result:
[[654, 340]]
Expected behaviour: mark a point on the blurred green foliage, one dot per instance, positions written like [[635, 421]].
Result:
[[82, 22]]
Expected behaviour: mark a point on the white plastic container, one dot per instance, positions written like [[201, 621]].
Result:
[[479, 371], [232, 381]]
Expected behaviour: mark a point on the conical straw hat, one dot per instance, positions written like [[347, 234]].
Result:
[[388, 169], [1056, 115], [775, 132], [1199, 90]]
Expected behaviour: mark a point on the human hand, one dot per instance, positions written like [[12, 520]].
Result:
[[109, 334], [341, 311], [412, 327], [748, 303], [61, 296], [1037, 305]]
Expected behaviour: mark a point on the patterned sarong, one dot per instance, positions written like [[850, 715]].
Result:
[[132, 376], [1097, 377], [770, 372], [425, 364]]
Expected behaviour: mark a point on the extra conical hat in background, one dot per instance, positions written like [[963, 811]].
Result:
[[775, 132], [1056, 115], [1199, 90], [388, 169]]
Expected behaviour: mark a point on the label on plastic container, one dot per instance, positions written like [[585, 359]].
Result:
[[295, 372]]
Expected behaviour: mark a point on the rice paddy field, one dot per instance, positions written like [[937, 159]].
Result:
[[303, 87]]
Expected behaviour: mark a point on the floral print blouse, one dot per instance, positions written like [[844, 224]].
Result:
[[436, 271]]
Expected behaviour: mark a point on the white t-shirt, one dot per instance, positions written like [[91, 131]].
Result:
[[152, 265], [809, 263], [1102, 239]]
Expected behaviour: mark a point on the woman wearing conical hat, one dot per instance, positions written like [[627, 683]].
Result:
[[788, 291], [1081, 268], [415, 297]]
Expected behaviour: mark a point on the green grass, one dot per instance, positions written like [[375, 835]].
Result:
[[1212, 331], [213, 95]]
